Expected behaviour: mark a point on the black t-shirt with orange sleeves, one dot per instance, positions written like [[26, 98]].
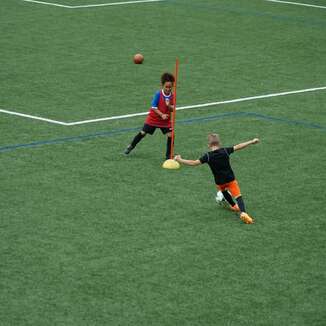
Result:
[[219, 162]]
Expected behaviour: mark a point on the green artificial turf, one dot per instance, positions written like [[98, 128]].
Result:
[[90, 237]]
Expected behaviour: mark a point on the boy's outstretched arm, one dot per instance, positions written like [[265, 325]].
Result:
[[246, 144], [179, 159]]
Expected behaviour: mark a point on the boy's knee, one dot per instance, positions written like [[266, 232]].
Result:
[[143, 133], [169, 134]]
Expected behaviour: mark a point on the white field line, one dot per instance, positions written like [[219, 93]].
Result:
[[115, 4], [146, 1], [94, 5], [34, 117], [297, 4], [48, 3], [197, 106]]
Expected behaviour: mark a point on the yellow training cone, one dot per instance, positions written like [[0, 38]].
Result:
[[171, 165]]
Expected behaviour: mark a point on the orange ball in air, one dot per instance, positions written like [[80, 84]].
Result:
[[138, 59]]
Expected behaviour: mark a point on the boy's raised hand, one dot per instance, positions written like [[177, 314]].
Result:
[[246, 144]]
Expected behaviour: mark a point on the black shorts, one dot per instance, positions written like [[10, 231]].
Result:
[[151, 129]]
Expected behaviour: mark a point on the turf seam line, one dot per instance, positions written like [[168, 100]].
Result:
[[196, 106], [112, 133]]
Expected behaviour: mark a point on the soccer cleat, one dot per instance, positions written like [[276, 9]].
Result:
[[235, 208], [244, 217], [128, 150]]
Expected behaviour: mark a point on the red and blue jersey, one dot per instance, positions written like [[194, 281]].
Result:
[[159, 102]]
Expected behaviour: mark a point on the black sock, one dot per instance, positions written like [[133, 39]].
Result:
[[168, 148], [137, 139], [228, 197], [241, 204]]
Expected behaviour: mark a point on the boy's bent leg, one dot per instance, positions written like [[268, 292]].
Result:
[[243, 215], [241, 204], [135, 141], [235, 191], [168, 133], [224, 188], [138, 138], [168, 147], [147, 129], [228, 197]]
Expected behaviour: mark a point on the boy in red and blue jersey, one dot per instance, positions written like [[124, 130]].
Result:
[[159, 115]]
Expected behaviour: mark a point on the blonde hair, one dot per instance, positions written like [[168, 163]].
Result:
[[213, 140]]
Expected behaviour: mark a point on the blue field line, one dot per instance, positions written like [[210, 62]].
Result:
[[259, 116], [112, 133], [67, 139]]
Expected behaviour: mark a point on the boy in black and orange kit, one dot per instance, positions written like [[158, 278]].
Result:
[[159, 115], [218, 159]]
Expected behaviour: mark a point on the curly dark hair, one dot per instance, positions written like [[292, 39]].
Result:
[[167, 77]]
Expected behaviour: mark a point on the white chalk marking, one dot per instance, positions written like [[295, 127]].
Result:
[[196, 106], [93, 5], [34, 117], [48, 3], [204, 105], [297, 4]]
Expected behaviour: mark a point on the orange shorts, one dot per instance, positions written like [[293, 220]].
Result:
[[232, 186]]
